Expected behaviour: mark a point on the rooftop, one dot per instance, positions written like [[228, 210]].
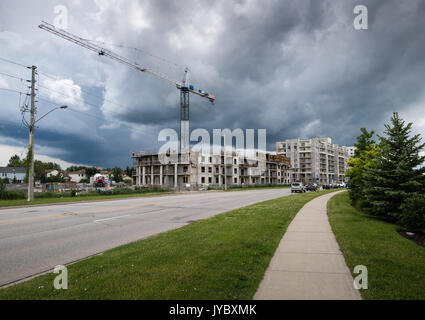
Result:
[[12, 170]]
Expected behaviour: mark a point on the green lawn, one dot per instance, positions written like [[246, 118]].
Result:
[[24, 202], [396, 266], [257, 187], [223, 257]]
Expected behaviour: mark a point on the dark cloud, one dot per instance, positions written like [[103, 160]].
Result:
[[296, 68]]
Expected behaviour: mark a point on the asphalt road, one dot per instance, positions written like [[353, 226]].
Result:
[[36, 239]]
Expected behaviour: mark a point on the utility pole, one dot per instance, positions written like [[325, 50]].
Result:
[[31, 139]]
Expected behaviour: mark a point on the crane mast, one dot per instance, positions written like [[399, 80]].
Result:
[[184, 114], [184, 86]]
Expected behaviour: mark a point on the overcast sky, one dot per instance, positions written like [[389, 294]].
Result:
[[296, 68]]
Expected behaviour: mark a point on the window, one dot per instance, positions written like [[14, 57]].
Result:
[[235, 162], [209, 170], [209, 180], [236, 180], [235, 171], [202, 159], [202, 169], [216, 180], [202, 179], [210, 159], [216, 170]]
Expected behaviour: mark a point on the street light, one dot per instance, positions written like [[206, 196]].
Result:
[[61, 107], [31, 150]]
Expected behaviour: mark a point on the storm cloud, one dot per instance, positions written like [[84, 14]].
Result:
[[295, 68]]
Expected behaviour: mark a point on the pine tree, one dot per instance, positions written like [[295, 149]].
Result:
[[397, 174]]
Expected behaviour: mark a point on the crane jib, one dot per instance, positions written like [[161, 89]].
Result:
[[112, 55]]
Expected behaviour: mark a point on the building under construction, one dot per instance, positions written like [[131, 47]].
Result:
[[196, 170]]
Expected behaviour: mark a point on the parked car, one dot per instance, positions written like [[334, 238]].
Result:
[[297, 187], [311, 187]]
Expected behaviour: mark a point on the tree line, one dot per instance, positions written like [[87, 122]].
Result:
[[41, 167], [388, 176]]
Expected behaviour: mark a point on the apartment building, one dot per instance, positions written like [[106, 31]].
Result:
[[351, 151], [193, 170], [315, 160]]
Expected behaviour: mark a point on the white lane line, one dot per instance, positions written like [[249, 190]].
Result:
[[127, 215]]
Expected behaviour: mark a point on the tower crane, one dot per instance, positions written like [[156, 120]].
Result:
[[185, 87]]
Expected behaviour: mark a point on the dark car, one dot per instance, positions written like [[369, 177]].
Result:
[[311, 187]]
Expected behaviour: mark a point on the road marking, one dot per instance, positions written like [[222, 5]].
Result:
[[99, 220], [110, 209]]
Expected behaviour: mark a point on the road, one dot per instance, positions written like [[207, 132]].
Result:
[[34, 240]]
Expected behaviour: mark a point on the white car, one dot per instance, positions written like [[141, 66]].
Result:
[[297, 187]]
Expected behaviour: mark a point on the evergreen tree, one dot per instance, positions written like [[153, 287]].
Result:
[[397, 174]]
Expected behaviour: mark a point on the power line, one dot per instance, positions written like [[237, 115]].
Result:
[[82, 90], [15, 63], [56, 78], [67, 95], [82, 100], [12, 90], [64, 94], [52, 103], [12, 76]]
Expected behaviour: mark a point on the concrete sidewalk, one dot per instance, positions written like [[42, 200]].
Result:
[[308, 263]]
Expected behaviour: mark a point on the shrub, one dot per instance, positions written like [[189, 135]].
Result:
[[123, 190], [413, 213], [105, 192], [12, 195], [43, 195], [156, 189]]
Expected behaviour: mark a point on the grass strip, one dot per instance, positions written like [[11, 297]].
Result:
[[24, 202], [396, 265], [223, 257]]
